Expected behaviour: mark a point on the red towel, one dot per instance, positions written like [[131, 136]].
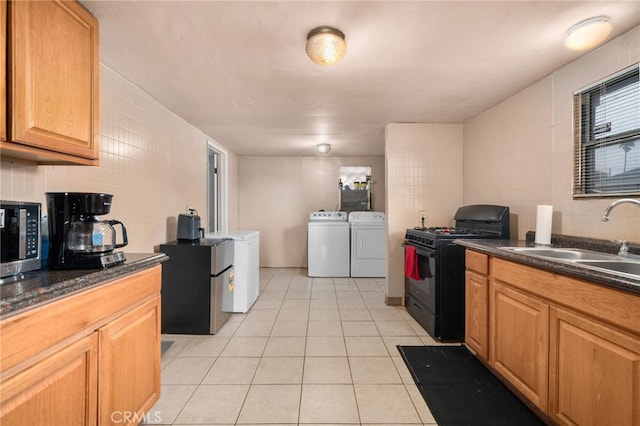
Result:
[[411, 263]]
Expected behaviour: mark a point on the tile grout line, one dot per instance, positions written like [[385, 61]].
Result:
[[290, 291]]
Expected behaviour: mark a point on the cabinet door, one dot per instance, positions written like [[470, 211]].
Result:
[[3, 70], [53, 75], [129, 367], [519, 341], [476, 313], [60, 390], [594, 373]]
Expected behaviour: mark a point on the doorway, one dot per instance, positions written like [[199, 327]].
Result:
[[216, 189]]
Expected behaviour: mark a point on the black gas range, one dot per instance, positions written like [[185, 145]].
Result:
[[434, 237], [434, 287]]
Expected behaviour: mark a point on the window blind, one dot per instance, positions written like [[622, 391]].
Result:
[[607, 137]]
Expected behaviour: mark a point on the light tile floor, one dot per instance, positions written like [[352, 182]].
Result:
[[310, 351]]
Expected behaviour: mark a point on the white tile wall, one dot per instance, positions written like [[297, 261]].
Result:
[[520, 153], [424, 173], [151, 160], [508, 155], [276, 195]]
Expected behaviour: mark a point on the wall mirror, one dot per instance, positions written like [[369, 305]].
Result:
[[354, 188]]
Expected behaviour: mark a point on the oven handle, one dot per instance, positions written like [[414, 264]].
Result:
[[422, 250], [426, 252]]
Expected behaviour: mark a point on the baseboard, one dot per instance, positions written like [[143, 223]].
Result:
[[393, 301]]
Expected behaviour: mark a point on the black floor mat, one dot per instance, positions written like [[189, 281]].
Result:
[[459, 390]]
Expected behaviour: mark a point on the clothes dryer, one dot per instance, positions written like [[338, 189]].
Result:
[[368, 244], [328, 244]]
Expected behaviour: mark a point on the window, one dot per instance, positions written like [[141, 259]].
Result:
[[607, 135]]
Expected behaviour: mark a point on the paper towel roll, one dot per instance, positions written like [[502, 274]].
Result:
[[544, 218]]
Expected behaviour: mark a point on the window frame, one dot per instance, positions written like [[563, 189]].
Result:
[[585, 143]]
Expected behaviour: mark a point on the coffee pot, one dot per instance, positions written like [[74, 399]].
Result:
[[77, 240], [95, 236]]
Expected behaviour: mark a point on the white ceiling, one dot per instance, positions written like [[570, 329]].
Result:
[[238, 69]]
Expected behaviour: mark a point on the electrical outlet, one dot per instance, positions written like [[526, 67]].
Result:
[[423, 216]]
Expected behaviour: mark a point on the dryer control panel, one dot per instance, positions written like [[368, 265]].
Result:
[[366, 217]]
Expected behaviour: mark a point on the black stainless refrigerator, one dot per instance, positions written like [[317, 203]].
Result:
[[197, 285]]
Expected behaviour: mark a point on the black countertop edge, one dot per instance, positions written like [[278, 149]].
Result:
[[576, 270], [34, 288]]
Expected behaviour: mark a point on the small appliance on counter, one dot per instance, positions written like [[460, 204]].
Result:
[[20, 237], [77, 240], [189, 226]]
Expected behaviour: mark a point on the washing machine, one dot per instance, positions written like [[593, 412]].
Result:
[[368, 244], [328, 244]]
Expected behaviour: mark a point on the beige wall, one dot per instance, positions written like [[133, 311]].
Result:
[[151, 160], [423, 173], [276, 195], [520, 153]]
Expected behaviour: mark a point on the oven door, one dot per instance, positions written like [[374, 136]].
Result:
[[422, 295]]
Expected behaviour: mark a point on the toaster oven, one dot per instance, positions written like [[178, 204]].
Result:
[[19, 237]]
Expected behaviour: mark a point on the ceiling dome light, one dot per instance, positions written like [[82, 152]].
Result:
[[588, 33], [323, 148], [326, 45]]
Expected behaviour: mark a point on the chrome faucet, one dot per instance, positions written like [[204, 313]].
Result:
[[605, 215]]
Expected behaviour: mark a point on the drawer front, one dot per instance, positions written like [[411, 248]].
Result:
[[477, 262]]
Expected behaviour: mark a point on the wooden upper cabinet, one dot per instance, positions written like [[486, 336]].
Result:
[[53, 82], [3, 70]]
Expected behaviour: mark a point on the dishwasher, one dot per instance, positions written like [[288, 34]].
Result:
[[197, 285]]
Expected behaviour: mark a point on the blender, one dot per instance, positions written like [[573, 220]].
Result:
[[77, 240]]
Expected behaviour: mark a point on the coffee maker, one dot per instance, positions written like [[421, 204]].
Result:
[[77, 240]]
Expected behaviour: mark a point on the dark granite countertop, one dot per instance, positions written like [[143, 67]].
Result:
[[607, 279], [34, 288]]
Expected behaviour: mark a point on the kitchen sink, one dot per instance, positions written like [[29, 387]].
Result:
[[623, 267], [562, 253], [589, 259]]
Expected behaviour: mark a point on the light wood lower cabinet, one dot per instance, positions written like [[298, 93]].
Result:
[[594, 372], [520, 341], [570, 347], [92, 358], [476, 330], [476, 324], [59, 390], [130, 365]]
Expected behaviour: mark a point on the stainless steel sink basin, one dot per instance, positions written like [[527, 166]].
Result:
[[589, 259], [562, 253], [623, 267]]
